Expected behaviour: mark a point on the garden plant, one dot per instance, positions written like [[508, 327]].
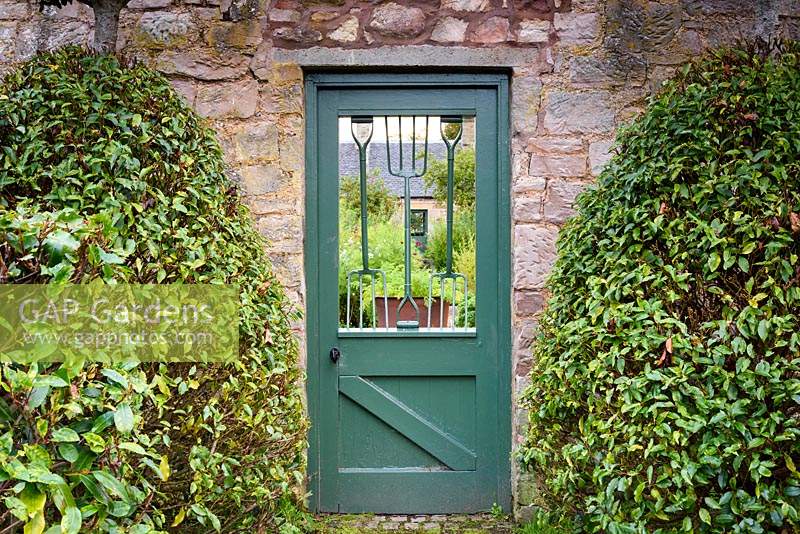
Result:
[[665, 391], [107, 176]]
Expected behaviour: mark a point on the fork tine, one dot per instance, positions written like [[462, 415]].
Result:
[[360, 301], [372, 302], [347, 317]]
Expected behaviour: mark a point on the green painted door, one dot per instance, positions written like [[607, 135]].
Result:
[[409, 420]]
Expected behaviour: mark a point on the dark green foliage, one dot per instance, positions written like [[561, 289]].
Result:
[[381, 204], [106, 174], [463, 239], [463, 178], [666, 389]]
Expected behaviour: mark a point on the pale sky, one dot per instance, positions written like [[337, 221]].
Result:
[[379, 129]]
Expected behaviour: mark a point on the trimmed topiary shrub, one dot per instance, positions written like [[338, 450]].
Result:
[[105, 174], [665, 396]]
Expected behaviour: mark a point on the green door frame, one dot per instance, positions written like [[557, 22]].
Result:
[[316, 354]]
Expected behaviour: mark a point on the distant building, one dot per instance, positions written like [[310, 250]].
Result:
[[425, 210]]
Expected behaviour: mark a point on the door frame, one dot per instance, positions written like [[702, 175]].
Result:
[[314, 358]]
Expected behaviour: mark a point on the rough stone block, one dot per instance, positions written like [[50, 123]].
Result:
[[318, 17], [524, 514], [289, 269], [528, 184], [347, 31], [164, 26], [554, 145], [519, 163], [588, 112], [261, 62], [27, 40], [283, 99], [284, 232], [587, 71], [526, 489], [528, 303], [524, 363], [298, 34], [715, 7], [449, 30], [186, 89], [534, 31], [203, 65], [525, 97], [61, 33], [8, 50], [534, 254], [466, 5], [256, 141], [492, 30], [244, 35], [283, 15], [227, 100], [148, 4], [262, 179], [395, 20], [560, 198], [576, 28], [599, 155], [562, 166], [13, 11], [528, 209], [526, 332]]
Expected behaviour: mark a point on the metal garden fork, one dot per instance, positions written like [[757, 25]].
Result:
[[448, 273], [407, 174], [365, 271]]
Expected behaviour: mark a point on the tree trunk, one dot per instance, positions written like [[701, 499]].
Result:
[[106, 21]]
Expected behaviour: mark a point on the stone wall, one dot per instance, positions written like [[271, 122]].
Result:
[[579, 69]]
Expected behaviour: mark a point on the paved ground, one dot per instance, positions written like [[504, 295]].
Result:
[[422, 524]]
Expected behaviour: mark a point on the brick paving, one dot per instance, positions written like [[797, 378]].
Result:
[[422, 524]]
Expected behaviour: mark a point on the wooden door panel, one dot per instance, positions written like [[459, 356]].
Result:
[[407, 421], [416, 427]]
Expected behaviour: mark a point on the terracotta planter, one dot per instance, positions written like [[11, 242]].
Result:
[[407, 313]]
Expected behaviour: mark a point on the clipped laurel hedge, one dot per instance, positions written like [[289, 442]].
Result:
[[106, 174], [665, 396]]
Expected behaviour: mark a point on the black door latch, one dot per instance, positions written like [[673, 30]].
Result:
[[335, 354]]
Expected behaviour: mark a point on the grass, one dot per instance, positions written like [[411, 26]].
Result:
[[545, 523]]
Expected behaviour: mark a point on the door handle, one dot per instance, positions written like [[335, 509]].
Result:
[[335, 354]]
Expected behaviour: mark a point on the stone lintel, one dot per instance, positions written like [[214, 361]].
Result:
[[409, 56]]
